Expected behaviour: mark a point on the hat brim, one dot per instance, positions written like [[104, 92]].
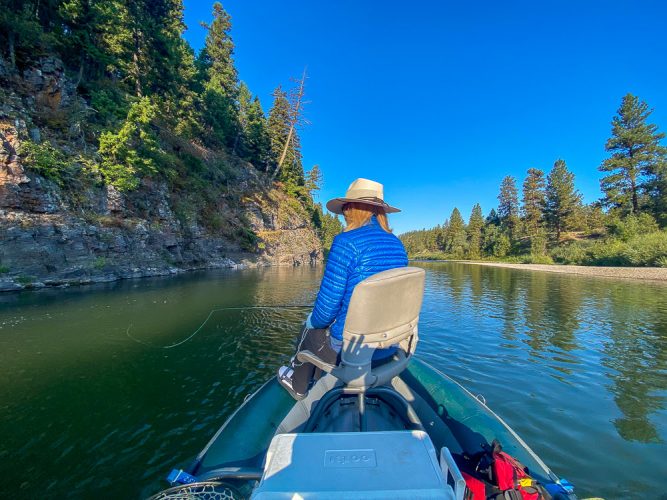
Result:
[[336, 205]]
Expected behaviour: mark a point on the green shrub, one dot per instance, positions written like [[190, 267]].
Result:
[[644, 249], [100, 263], [632, 225], [571, 253], [213, 221], [502, 246], [110, 105], [247, 239], [133, 151], [46, 161], [538, 259], [510, 259], [538, 243], [4, 269], [647, 250], [609, 252], [430, 256]]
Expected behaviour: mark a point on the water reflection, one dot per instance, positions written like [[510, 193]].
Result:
[[569, 320], [636, 353], [577, 366]]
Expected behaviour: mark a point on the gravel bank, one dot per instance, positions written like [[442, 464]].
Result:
[[637, 273]]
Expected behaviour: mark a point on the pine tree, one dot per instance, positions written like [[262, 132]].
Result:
[[475, 225], [244, 103], [117, 43], [442, 237], [279, 125], [132, 152], [331, 227], [218, 53], [20, 29], [562, 199], [253, 142], [313, 180], [327, 226], [538, 242], [492, 219], [508, 206], [533, 200], [657, 189], [221, 88], [165, 50], [636, 166], [80, 42], [139, 42], [494, 241], [182, 101], [456, 235], [256, 140]]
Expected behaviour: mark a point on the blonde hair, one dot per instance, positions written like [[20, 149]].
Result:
[[358, 214]]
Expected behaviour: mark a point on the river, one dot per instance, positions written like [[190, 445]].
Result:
[[92, 404]]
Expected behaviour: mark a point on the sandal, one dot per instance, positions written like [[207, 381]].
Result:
[[285, 379]]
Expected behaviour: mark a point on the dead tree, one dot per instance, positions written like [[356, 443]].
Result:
[[296, 119]]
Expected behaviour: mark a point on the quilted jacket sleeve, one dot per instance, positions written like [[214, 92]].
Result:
[[340, 262]]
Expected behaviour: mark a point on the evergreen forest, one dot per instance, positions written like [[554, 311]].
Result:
[[148, 107], [545, 221]]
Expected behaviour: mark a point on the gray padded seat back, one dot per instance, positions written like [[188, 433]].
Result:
[[384, 308], [383, 312]]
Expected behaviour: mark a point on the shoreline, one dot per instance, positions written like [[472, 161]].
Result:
[[10, 285], [654, 274], [13, 284]]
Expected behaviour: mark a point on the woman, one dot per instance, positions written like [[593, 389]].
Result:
[[366, 247]]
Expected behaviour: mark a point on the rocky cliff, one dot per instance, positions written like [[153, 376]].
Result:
[[54, 233]]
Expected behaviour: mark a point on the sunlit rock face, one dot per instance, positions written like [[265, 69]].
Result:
[[53, 234]]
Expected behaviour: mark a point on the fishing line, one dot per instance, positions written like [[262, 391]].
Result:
[[213, 311]]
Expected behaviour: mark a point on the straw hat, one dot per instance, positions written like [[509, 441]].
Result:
[[362, 191]]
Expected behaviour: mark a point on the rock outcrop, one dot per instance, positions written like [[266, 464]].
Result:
[[54, 235]]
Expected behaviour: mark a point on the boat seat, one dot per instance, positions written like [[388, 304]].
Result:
[[383, 312]]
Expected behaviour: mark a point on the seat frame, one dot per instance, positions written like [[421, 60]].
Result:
[[395, 294]]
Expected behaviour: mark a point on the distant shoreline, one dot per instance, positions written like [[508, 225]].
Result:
[[658, 274]]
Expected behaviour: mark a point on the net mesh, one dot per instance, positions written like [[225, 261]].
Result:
[[206, 490]]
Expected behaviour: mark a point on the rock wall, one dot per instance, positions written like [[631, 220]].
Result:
[[48, 240]]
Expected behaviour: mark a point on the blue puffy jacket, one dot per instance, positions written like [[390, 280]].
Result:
[[354, 256]]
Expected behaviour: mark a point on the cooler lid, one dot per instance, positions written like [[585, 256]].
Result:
[[392, 464]]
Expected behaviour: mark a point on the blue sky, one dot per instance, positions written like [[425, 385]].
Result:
[[440, 100]]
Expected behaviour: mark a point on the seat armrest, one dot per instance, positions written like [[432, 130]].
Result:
[[384, 373], [309, 357]]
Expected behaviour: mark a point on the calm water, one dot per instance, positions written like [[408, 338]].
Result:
[[92, 405]]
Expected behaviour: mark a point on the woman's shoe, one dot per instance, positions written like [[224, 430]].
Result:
[[285, 379]]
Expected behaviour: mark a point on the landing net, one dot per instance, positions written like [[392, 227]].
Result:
[[207, 490]]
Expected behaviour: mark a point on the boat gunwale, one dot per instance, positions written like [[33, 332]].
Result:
[[196, 463], [198, 459], [534, 455]]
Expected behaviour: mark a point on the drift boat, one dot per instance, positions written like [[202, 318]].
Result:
[[365, 430]]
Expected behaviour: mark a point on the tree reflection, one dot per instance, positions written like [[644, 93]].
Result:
[[537, 300], [637, 356], [577, 326]]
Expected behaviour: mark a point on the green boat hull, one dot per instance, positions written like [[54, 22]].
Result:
[[451, 415]]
